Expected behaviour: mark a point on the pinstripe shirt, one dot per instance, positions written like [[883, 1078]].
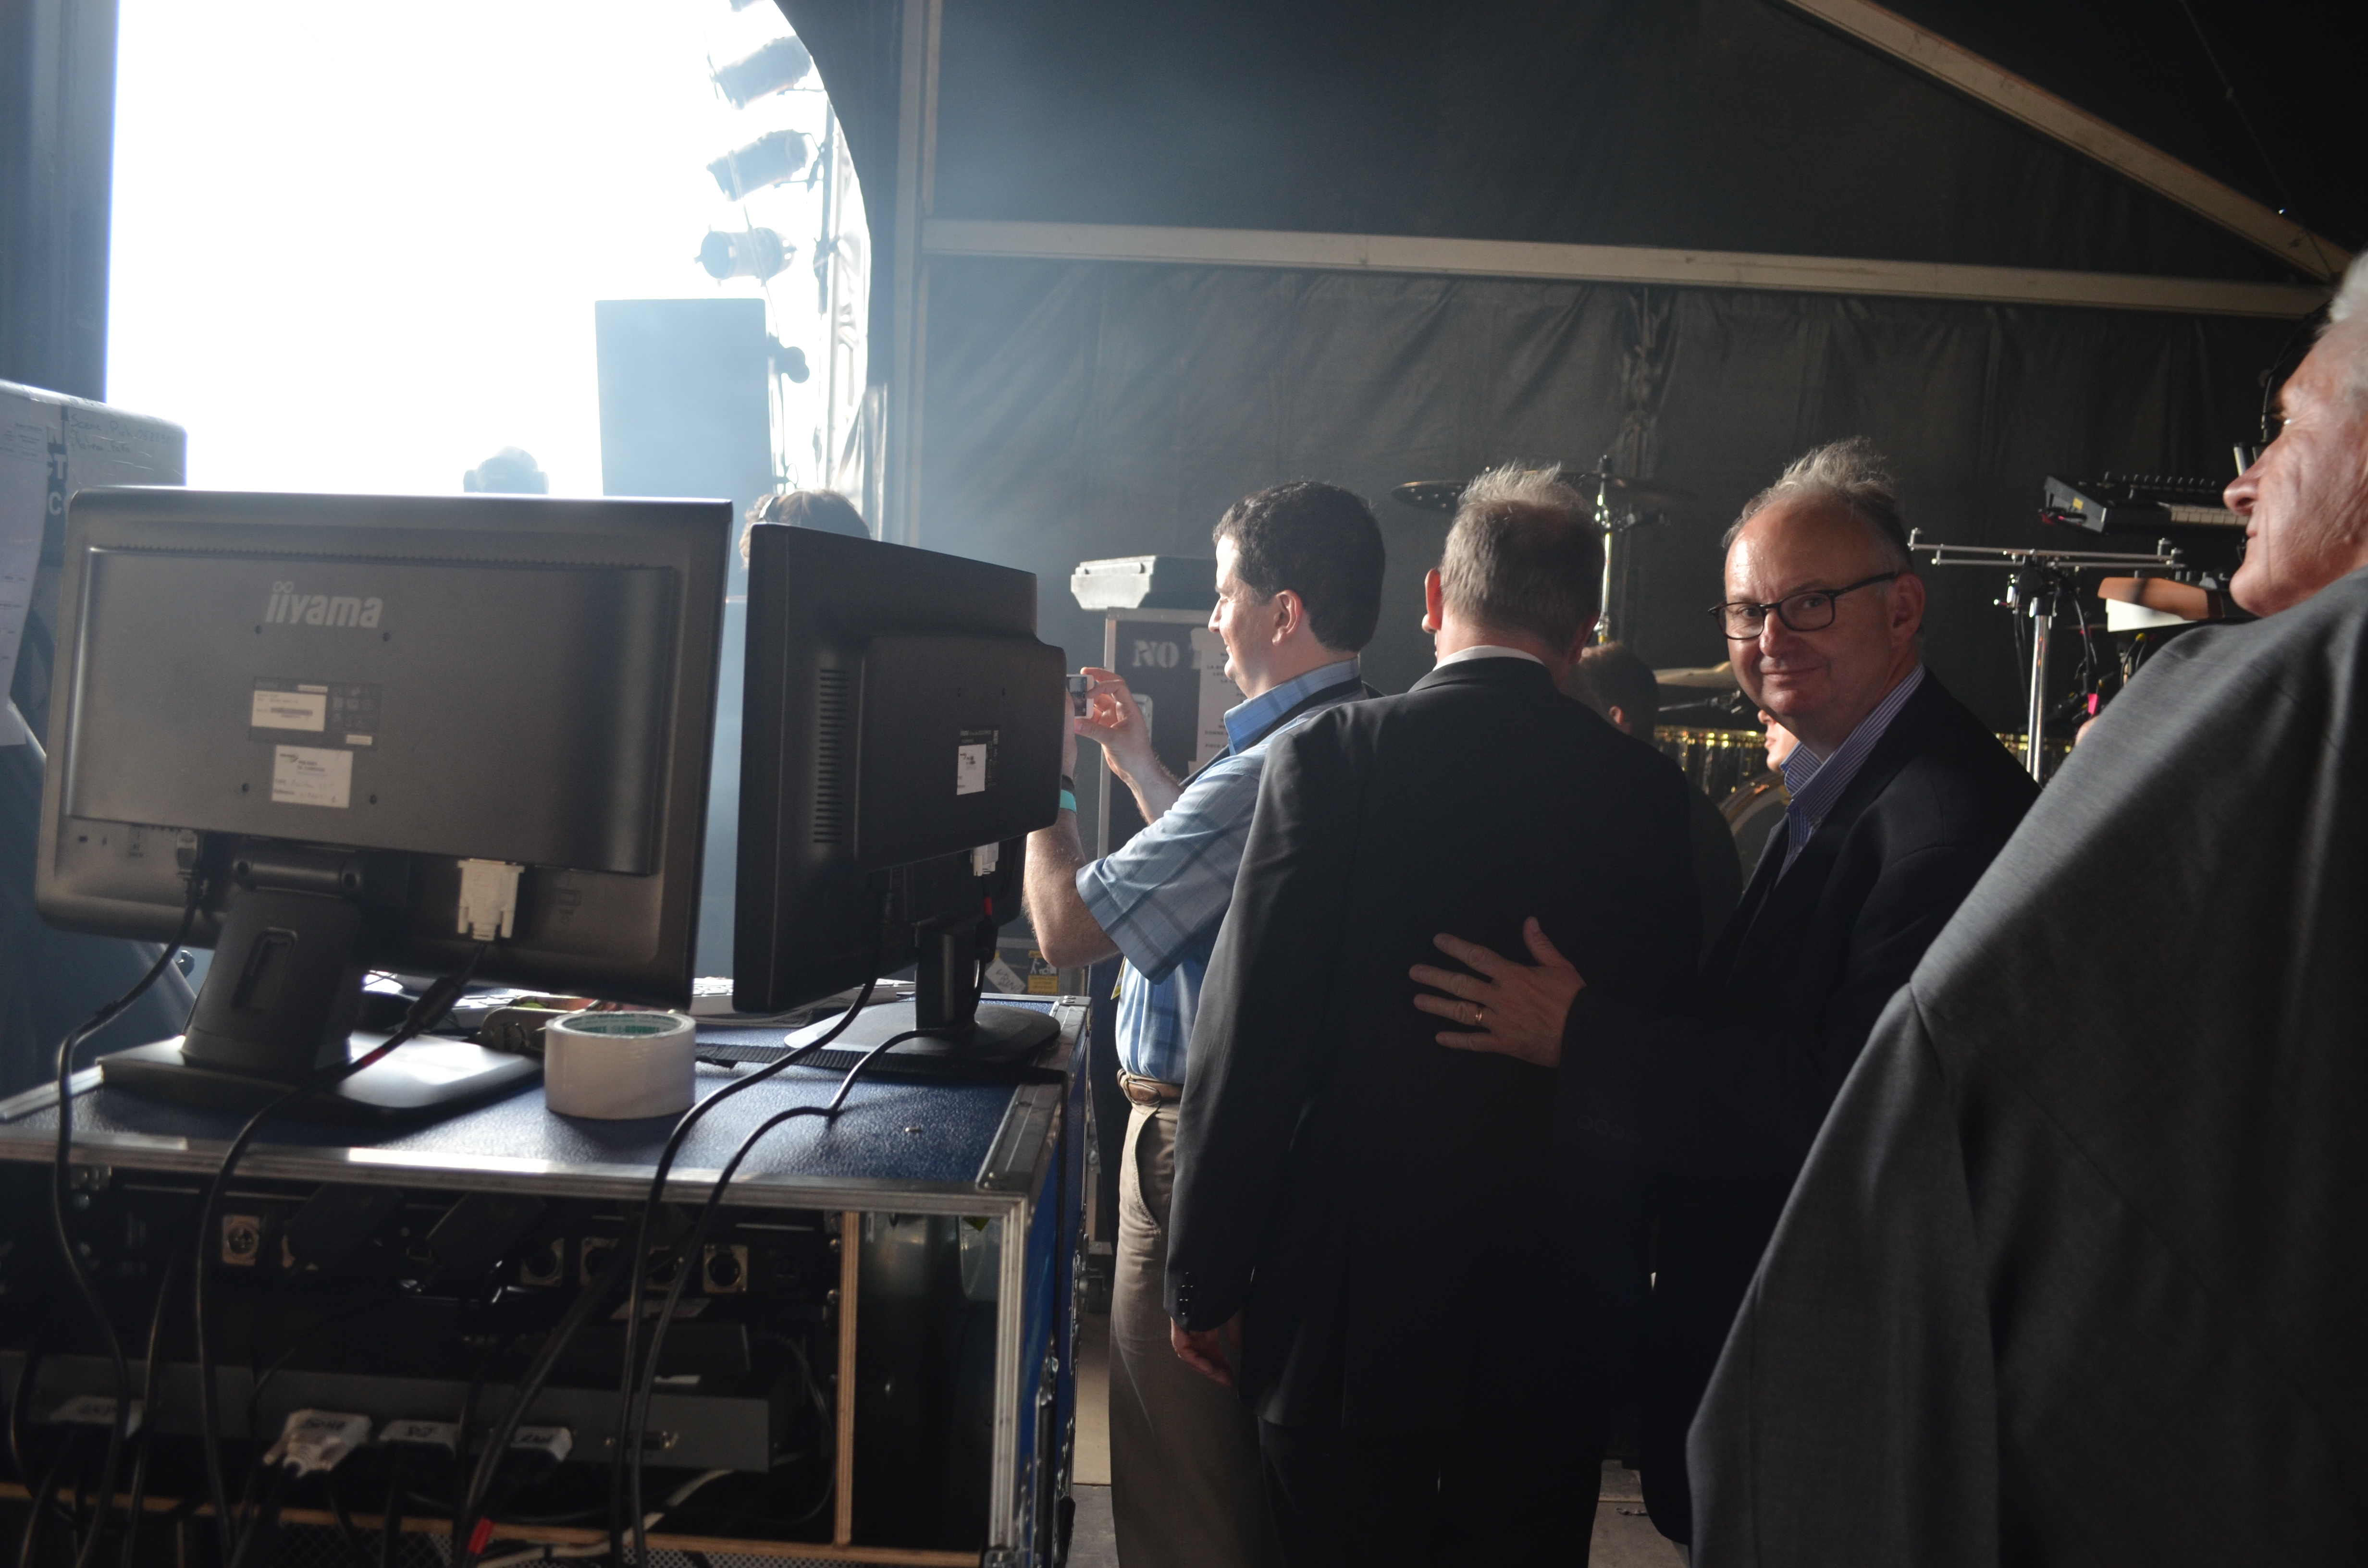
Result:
[[1162, 896], [1815, 783]]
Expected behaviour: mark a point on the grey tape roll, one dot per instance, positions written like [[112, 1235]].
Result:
[[616, 1066]]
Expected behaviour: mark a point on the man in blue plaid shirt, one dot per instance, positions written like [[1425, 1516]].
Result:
[[1299, 586]]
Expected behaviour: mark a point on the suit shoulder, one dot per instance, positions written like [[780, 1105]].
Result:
[[1960, 781]]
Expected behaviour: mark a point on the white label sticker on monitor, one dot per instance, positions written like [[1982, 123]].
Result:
[[312, 776], [970, 770], [305, 708]]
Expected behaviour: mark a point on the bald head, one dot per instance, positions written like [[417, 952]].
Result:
[[1814, 555]]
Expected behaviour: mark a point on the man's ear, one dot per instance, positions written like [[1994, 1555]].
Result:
[[1290, 613], [1907, 604], [1434, 601]]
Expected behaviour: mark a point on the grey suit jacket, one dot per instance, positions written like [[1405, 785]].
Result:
[[2076, 1271]]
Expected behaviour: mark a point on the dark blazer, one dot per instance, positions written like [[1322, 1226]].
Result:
[[1722, 1102], [1381, 1207]]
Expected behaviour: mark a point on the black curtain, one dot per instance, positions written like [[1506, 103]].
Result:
[[1081, 410], [1718, 124]]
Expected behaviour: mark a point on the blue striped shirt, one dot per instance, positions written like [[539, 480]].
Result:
[[1163, 894], [1815, 783]]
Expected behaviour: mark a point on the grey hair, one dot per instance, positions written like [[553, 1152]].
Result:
[[1525, 555], [2351, 298], [1526, 486], [1850, 473], [2350, 307]]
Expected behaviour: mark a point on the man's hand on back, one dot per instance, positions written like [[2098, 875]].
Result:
[[1518, 1009]]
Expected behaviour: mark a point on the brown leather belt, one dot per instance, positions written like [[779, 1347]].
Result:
[[1149, 1091]]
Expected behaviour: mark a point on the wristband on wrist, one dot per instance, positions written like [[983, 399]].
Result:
[[1069, 801]]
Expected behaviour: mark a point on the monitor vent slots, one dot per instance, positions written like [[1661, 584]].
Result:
[[834, 800]]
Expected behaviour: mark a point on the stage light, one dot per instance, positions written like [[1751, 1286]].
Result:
[[768, 160], [752, 253], [788, 359], [510, 472], [778, 67]]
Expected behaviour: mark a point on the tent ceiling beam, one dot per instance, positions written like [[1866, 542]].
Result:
[[2043, 111], [996, 239]]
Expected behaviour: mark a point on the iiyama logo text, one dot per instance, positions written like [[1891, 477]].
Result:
[[291, 609]]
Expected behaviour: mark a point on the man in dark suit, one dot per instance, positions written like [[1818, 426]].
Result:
[[1361, 1237], [1900, 799], [1610, 679]]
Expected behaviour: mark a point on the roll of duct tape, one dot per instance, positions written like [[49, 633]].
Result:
[[618, 1065]]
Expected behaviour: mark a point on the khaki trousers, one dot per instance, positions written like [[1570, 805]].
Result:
[[1185, 1486]]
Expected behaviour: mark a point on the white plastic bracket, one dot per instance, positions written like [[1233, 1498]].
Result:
[[316, 1441], [488, 899]]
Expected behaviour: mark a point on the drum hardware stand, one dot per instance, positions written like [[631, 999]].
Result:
[[2042, 578], [1616, 527]]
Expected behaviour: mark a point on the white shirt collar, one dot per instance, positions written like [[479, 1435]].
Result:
[[1487, 650]]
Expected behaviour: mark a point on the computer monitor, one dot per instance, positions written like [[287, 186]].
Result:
[[901, 737], [383, 729]]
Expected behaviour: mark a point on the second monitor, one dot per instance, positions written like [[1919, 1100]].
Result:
[[900, 740]]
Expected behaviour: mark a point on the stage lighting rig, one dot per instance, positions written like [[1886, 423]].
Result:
[[788, 359], [768, 160], [776, 68], [752, 253]]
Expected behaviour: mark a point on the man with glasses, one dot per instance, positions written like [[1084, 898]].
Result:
[[1900, 798], [2075, 1273]]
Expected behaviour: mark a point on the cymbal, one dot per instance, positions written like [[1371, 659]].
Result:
[[1637, 494], [1715, 677], [1431, 494], [1621, 492]]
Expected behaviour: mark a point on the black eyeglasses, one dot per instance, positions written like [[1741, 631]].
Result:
[[1812, 609]]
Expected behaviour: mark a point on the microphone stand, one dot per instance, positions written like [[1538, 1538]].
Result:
[[2041, 579]]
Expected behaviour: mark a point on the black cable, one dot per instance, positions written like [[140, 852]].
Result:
[[529, 1388], [630, 1437], [390, 1529], [346, 1526], [485, 1532], [151, 1378], [431, 1006], [21, 1439], [2269, 165], [266, 1514], [638, 1246], [43, 1500], [61, 1182]]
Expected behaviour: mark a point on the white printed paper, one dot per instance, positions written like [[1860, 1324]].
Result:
[[970, 770], [305, 710], [312, 776]]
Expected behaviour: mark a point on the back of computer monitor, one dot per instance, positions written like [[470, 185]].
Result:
[[900, 713], [352, 698]]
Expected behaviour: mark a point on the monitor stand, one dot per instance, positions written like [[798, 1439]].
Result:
[[278, 1007], [997, 1035], [425, 1080], [950, 958]]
